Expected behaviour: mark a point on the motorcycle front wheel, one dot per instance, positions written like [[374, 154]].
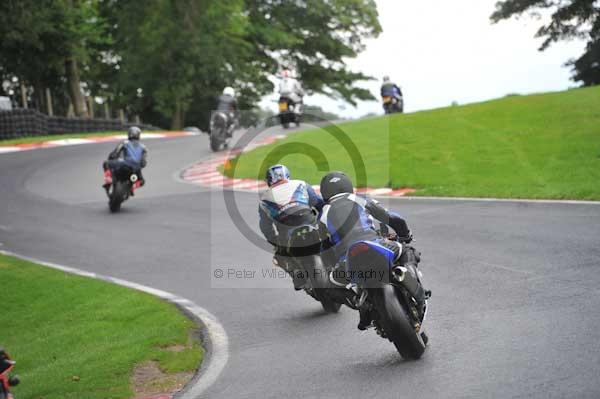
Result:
[[396, 324]]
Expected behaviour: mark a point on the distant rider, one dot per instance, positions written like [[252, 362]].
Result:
[[227, 103], [129, 153], [290, 87], [348, 218], [390, 89], [285, 204]]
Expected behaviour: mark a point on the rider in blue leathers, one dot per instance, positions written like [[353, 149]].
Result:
[[348, 218], [286, 204], [129, 153]]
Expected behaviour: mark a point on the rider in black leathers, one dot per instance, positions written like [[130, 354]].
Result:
[[347, 218], [129, 153]]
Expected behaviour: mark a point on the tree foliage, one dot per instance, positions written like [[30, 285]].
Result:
[[169, 59], [570, 19]]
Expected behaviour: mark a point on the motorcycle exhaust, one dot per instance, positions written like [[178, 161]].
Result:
[[405, 277]]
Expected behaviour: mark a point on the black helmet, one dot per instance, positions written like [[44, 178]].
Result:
[[134, 133], [335, 183]]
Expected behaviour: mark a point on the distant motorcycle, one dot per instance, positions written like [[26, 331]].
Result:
[[304, 248], [125, 182], [388, 300], [393, 104], [220, 131], [289, 112], [6, 381]]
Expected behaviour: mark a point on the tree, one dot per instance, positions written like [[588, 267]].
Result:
[[314, 37], [44, 41], [570, 19]]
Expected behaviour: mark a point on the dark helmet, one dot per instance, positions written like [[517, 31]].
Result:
[[134, 133], [335, 183], [277, 173]]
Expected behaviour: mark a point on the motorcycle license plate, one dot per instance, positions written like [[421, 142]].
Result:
[[283, 107], [387, 99]]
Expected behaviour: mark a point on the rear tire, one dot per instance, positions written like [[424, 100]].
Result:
[[116, 197], [321, 284], [397, 326], [215, 143]]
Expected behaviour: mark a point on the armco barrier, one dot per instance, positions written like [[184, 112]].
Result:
[[28, 122]]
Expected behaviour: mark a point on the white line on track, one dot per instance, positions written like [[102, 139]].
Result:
[[214, 336]]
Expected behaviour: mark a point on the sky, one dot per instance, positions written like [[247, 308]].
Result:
[[442, 51]]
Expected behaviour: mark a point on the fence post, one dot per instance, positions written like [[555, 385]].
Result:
[[91, 107], [122, 116], [49, 102], [23, 96]]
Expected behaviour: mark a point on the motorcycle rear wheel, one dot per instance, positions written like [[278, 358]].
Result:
[[215, 143], [320, 280], [116, 197], [397, 325]]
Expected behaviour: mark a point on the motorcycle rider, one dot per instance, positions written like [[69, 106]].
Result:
[[391, 89], [289, 87], [227, 104], [347, 218], [286, 204], [129, 153]]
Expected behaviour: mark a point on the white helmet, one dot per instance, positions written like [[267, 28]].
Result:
[[228, 91], [386, 79]]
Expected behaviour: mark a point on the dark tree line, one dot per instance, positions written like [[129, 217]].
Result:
[[570, 19], [166, 60]]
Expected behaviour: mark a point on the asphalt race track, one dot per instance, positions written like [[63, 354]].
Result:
[[514, 312]]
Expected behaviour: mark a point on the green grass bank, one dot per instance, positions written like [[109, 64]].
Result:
[[74, 337], [534, 146]]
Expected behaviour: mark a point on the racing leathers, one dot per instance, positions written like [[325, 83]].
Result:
[[228, 105], [292, 89], [283, 206], [348, 218], [391, 90], [130, 153]]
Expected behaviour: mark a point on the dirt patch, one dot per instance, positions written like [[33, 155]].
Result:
[[148, 380]]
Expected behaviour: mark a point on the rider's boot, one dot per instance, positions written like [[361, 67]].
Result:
[[365, 320]]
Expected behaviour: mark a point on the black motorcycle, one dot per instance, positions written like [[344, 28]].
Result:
[[6, 381], [220, 133], [393, 104], [386, 293], [125, 181], [289, 112], [304, 248]]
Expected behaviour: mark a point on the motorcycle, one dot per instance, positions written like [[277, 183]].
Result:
[[393, 104], [386, 293], [125, 181], [304, 250], [220, 133], [6, 381], [289, 112]]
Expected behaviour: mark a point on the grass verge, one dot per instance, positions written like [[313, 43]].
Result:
[[74, 337], [40, 139], [535, 146]]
